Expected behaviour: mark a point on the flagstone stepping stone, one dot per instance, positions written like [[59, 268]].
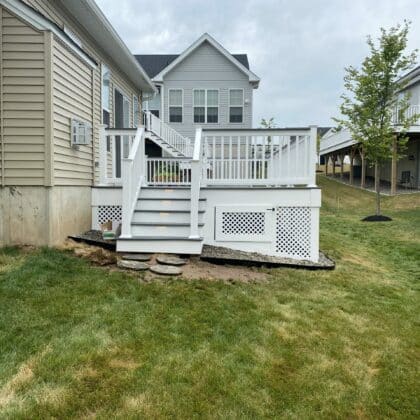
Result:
[[132, 265], [166, 270], [137, 257], [170, 260]]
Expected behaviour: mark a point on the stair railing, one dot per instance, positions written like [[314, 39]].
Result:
[[168, 134], [133, 172], [196, 174]]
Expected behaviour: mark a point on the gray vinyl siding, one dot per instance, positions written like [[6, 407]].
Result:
[[22, 103], [207, 68]]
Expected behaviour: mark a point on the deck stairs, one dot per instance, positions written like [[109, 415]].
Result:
[[166, 137], [161, 222]]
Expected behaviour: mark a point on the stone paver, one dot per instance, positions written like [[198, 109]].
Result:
[[137, 257], [166, 270], [170, 260], [133, 265]]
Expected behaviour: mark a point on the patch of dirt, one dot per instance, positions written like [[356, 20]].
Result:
[[95, 254], [195, 269]]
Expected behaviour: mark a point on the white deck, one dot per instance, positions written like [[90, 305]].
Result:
[[251, 190]]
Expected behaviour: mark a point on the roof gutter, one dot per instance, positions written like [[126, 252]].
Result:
[[110, 29]]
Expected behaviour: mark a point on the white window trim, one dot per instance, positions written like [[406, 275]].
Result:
[[182, 106], [206, 106], [237, 106], [135, 124], [106, 108]]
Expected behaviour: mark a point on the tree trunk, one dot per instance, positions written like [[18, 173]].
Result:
[[378, 189]]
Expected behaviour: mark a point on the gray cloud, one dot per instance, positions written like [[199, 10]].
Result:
[[299, 48]]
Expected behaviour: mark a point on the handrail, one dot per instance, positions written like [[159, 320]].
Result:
[[195, 184], [168, 134], [132, 174], [283, 157]]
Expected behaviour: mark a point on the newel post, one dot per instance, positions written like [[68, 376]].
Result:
[[313, 153], [195, 185], [127, 180], [102, 154]]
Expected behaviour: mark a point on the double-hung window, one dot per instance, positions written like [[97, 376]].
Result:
[[206, 105], [236, 105], [175, 105]]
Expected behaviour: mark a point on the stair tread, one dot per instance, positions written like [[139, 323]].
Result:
[[162, 224], [168, 199], [161, 238], [166, 211]]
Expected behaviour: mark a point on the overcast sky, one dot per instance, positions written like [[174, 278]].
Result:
[[298, 48]]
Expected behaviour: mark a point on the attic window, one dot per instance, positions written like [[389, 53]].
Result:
[[72, 36]]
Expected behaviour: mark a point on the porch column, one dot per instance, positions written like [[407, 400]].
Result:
[[394, 167], [342, 156], [333, 157], [351, 166], [327, 158], [363, 174]]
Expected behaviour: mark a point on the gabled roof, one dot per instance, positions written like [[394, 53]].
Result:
[[155, 63], [253, 78]]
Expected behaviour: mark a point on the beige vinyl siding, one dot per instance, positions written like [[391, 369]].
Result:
[[72, 98], [118, 80], [22, 105]]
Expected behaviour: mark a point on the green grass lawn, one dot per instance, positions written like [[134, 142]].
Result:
[[80, 341]]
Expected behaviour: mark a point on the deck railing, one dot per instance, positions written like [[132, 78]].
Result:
[[114, 145], [168, 134], [260, 157], [133, 169], [168, 171], [411, 111]]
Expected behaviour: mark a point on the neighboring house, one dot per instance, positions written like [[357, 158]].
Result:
[[204, 86], [63, 67], [339, 146], [74, 154]]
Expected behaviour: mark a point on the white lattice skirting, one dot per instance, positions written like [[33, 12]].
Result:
[[103, 214], [285, 231]]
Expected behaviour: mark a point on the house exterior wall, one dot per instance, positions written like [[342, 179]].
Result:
[[23, 142], [45, 183], [207, 68]]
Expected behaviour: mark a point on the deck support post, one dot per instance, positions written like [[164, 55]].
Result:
[[394, 167], [363, 172]]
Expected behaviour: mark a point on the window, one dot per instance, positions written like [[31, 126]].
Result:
[[236, 105], [136, 111], [105, 99], [206, 106], [175, 105]]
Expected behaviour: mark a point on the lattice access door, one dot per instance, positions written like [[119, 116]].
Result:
[[244, 223]]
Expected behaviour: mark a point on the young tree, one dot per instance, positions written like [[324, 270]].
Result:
[[269, 123], [374, 99]]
